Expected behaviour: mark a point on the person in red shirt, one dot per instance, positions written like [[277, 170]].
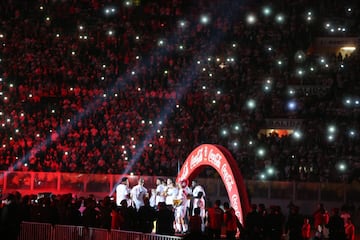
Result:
[[306, 229], [215, 219], [230, 221], [321, 218], [195, 222], [349, 230]]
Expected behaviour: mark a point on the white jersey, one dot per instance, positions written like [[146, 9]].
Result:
[[180, 209], [197, 189], [152, 199], [171, 193], [122, 192], [199, 202], [160, 194], [138, 193]]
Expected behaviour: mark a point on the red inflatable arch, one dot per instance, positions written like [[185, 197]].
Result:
[[223, 162]]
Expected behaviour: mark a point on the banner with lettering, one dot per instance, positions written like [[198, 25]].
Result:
[[222, 161]]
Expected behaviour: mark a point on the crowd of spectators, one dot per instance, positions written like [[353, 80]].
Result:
[[262, 222], [134, 86]]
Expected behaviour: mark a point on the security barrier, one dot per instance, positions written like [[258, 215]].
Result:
[[45, 231], [117, 234], [36, 231], [65, 232]]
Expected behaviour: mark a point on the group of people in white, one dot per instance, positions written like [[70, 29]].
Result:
[[178, 196]]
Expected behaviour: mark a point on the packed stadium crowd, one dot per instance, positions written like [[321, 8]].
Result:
[[133, 86]]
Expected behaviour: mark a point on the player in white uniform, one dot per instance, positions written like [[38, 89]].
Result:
[[138, 193], [171, 191], [123, 192], [160, 191], [180, 204]]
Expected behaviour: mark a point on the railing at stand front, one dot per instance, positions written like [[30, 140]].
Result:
[[65, 232], [36, 231], [45, 231]]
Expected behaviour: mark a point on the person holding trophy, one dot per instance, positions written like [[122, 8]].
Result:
[[180, 205]]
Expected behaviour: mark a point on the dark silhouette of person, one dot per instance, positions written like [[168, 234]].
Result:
[[164, 220], [47, 213], [105, 213], [294, 223], [253, 224], [128, 214], [215, 219], [336, 226], [90, 214], [146, 217], [274, 223], [195, 223], [10, 219]]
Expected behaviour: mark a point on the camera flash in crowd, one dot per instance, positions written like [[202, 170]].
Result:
[[280, 18], [251, 104], [309, 16], [297, 134], [266, 11], [251, 19], [261, 152], [331, 129], [204, 19]]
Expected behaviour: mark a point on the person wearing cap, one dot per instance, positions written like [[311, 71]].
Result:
[[123, 192]]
